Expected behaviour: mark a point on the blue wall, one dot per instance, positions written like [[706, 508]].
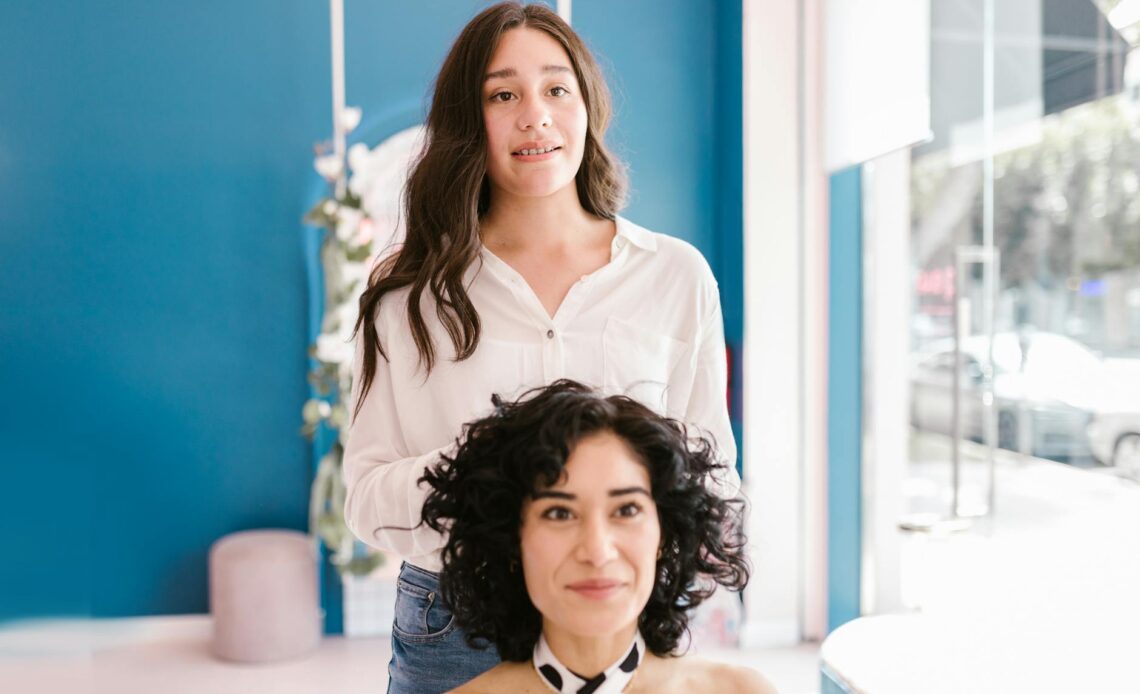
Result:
[[844, 396], [153, 342], [154, 165], [729, 198], [675, 68]]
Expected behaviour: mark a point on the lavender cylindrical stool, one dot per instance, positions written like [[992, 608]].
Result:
[[264, 596]]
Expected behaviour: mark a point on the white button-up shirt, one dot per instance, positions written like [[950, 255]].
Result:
[[648, 325]]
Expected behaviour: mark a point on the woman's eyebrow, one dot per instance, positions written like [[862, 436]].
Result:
[[511, 72], [551, 494], [630, 490]]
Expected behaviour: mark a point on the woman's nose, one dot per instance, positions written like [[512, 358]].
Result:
[[534, 114], [596, 543]]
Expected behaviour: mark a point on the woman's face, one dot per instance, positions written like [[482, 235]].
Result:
[[589, 543], [532, 102]]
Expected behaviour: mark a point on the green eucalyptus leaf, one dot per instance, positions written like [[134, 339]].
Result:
[[359, 254], [362, 565], [317, 215]]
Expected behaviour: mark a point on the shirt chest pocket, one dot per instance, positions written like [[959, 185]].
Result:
[[638, 362]]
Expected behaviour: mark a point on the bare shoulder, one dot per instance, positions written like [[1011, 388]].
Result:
[[513, 677], [735, 678], [690, 674]]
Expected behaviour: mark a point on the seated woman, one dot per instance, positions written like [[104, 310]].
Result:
[[578, 527]]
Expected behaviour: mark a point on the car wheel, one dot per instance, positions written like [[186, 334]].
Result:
[[1007, 431], [1126, 456]]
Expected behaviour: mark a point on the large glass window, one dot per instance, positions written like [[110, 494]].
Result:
[[1025, 242], [1024, 318]]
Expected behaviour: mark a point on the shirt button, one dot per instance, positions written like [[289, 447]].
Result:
[[550, 333]]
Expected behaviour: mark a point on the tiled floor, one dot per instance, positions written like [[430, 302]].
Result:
[[171, 655]]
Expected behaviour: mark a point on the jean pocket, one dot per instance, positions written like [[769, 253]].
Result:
[[421, 615]]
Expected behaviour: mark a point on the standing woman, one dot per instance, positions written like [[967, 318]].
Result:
[[516, 271]]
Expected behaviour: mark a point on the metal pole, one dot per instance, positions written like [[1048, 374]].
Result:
[[336, 22], [956, 387], [966, 257], [989, 267], [994, 265]]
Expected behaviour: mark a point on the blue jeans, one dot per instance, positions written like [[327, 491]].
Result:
[[429, 652]]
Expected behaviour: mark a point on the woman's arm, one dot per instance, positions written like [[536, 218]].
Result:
[[384, 498], [705, 379]]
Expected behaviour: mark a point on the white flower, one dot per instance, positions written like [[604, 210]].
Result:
[[364, 164], [338, 417], [365, 232], [315, 410], [357, 157], [350, 118], [348, 219], [333, 348], [344, 374], [354, 272], [329, 166], [346, 315], [378, 175]]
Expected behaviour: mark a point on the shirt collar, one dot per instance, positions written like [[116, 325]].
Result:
[[627, 232], [613, 680], [638, 236]]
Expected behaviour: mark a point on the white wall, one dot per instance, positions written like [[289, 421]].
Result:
[[785, 318], [886, 347]]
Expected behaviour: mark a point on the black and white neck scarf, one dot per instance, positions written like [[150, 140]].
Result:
[[613, 679]]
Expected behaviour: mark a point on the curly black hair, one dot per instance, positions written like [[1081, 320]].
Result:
[[476, 498]]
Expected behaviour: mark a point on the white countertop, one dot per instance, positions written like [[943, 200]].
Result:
[[1044, 599]]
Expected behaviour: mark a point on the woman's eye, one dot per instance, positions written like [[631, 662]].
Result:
[[556, 513], [629, 510], [559, 91], [499, 97]]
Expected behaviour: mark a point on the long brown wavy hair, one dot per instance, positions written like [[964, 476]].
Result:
[[447, 192]]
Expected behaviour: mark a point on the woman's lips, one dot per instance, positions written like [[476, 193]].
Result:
[[537, 157], [597, 589]]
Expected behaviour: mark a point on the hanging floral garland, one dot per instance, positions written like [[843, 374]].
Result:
[[362, 221]]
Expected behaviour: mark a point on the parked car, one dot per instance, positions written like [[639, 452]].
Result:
[[1115, 430], [1053, 397]]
